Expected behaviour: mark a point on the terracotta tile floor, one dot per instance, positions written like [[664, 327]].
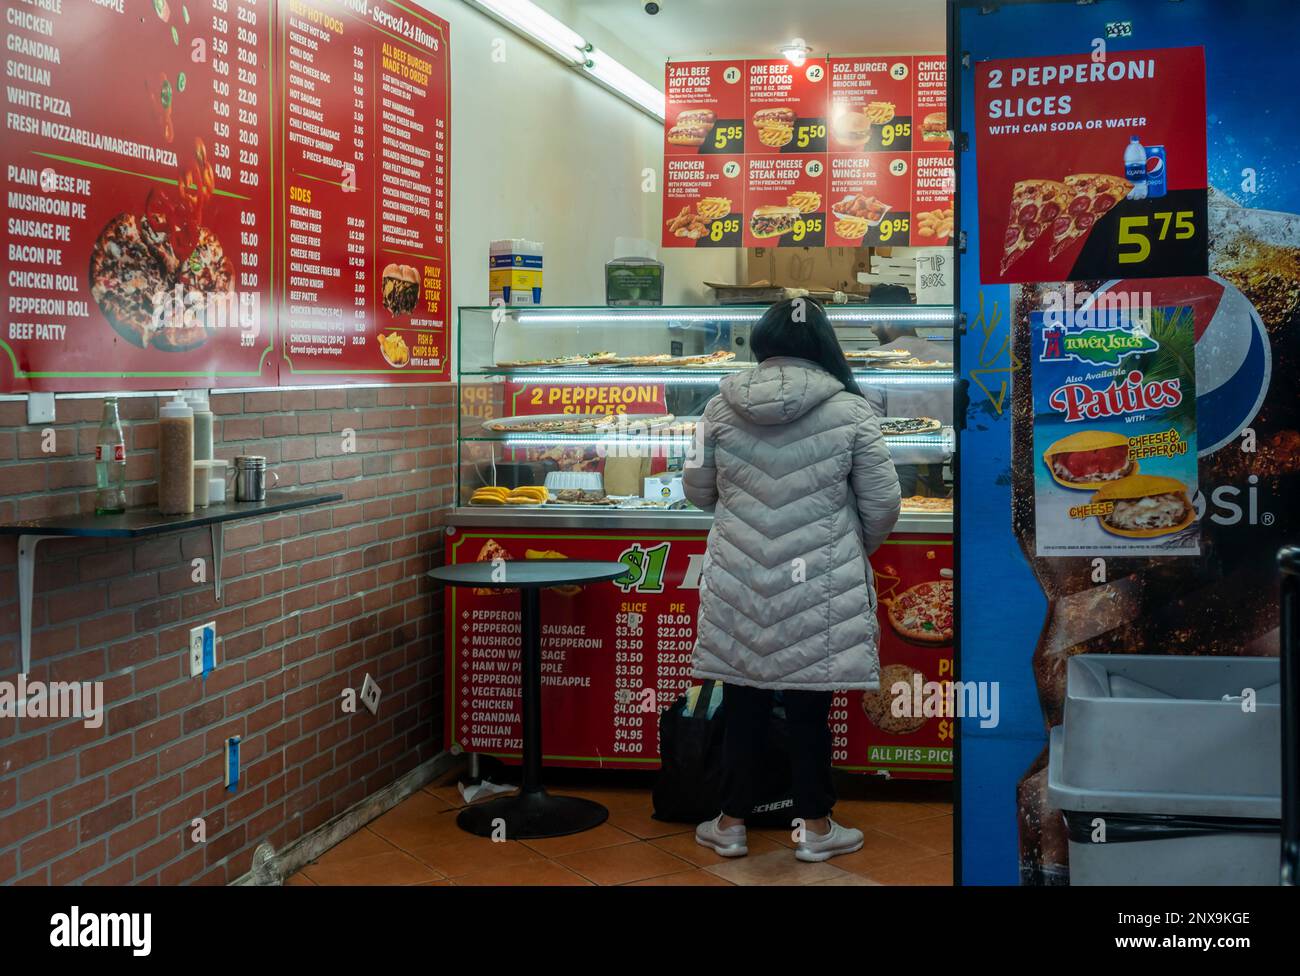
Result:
[[908, 828]]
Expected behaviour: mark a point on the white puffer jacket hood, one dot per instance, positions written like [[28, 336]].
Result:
[[802, 488]]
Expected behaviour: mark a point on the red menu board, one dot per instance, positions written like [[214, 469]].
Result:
[[829, 152], [138, 229], [223, 193], [1092, 169], [363, 192], [704, 196], [704, 108], [616, 654], [784, 201]]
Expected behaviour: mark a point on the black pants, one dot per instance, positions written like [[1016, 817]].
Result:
[[748, 712]]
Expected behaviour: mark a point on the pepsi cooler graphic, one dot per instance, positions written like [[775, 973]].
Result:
[[1022, 615]]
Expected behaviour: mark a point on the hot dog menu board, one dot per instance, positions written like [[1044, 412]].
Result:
[[364, 190], [616, 654], [837, 152], [198, 190]]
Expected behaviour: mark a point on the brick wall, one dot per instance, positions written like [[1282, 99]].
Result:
[[312, 601]]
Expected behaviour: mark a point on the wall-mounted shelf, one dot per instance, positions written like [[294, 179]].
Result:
[[138, 523]]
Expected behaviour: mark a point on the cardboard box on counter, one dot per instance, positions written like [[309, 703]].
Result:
[[776, 273]]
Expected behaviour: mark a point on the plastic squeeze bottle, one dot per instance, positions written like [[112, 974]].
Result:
[[176, 458]]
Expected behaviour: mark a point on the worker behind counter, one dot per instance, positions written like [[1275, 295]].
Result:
[[916, 466]]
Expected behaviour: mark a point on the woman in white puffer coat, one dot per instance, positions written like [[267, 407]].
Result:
[[790, 459]]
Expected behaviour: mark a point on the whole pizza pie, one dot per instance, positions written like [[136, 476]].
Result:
[[915, 363], [152, 298], [553, 423], [126, 280], [923, 613], [878, 705], [901, 426]]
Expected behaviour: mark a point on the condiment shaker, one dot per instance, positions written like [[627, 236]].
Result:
[[176, 458]]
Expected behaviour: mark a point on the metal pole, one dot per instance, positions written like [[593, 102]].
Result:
[[530, 631], [1289, 664]]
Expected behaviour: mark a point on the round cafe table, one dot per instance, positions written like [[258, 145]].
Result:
[[532, 812]]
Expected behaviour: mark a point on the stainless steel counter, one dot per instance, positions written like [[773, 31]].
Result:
[[650, 521]]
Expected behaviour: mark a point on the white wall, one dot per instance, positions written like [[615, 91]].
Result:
[[540, 152]]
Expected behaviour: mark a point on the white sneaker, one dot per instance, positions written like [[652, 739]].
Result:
[[823, 847], [729, 841]]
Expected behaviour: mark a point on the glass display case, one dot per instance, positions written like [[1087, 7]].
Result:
[[594, 409]]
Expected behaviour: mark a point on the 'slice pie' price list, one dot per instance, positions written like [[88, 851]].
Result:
[[675, 635], [632, 722]]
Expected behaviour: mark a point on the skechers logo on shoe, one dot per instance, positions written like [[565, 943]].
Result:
[[102, 930]]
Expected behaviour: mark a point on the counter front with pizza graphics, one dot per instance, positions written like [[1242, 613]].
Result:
[[614, 655]]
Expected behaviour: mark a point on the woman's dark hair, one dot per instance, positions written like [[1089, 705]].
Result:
[[798, 327]]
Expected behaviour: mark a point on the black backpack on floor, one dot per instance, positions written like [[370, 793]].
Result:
[[689, 788]]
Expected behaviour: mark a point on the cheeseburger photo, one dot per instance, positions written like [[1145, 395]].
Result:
[[852, 129], [773, 221], [934, 127], [1145, 505], [1089, 459]]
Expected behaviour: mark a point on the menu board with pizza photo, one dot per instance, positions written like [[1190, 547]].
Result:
[[1092, 168], [834, 152], [224, 193], [138, 214]]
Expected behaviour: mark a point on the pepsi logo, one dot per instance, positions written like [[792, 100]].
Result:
[[1154, 165], [1234, 363]]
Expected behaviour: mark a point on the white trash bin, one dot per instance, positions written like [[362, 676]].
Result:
[[1158, 755]]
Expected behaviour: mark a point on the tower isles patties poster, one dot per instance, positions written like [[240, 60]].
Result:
[[256, 194]]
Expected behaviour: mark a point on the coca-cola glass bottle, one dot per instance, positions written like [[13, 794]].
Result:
[[110, 462]]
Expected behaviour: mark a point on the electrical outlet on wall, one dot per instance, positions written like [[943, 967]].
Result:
[[203, 649], [370, 695]]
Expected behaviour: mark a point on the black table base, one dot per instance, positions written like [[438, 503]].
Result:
[[532, 815]]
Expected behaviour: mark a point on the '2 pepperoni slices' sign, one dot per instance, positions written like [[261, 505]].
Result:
[[1092, 166]]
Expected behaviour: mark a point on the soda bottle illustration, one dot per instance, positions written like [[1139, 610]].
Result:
[[1135, 169], [1224, 600], [1157, 181]]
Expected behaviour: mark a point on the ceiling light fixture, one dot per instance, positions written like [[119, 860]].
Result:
[[627, 84], [796, 52], [531, 21], [538, 26]]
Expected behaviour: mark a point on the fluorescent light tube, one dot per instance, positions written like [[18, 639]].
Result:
[[625, 83], [536, 24]]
